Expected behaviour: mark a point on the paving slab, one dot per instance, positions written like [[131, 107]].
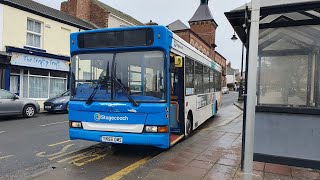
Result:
[[214, 152]]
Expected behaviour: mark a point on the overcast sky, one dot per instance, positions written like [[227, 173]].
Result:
[[166, 11]]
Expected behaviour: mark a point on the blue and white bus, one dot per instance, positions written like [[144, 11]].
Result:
[[140, 86]]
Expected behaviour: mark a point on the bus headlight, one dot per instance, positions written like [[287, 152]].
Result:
[[153, 129], [156, 129], [75, 124]]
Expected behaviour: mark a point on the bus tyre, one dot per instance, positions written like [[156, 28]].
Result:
[[188, 125], [29, 111]]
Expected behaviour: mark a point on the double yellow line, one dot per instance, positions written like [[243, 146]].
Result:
[[128, 169]]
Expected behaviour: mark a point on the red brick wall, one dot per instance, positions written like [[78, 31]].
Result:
[[185, 35], [222, 62], [200, 45], [206, 30], [86, 10], [98, 16], [69, 7]]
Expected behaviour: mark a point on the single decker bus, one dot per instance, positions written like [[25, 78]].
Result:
[[140, 86]]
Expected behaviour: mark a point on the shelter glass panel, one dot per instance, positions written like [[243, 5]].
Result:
[[288, 66]]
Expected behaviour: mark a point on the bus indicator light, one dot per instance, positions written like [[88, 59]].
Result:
[[163, 129]]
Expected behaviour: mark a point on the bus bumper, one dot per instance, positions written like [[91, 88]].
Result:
[[160, 140]]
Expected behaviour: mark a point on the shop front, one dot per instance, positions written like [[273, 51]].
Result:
[[36, 75], [4, 69]]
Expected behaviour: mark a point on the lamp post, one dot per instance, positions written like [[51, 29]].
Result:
[[240, 98]]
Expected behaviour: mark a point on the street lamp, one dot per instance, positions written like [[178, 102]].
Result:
[[240, 98], [234, 37]]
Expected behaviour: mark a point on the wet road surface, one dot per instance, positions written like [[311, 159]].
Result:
[[38, 148]]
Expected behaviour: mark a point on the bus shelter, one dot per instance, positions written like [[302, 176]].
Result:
[[287, 123]]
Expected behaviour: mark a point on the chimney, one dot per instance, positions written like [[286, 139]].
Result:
[[78, 8]]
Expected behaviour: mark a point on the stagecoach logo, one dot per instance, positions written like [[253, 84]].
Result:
[[99, 117]]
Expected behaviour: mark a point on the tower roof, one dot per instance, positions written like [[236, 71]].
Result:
[[177, 25], [203, 13]]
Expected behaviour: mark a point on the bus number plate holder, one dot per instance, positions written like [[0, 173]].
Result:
[[111, 139]]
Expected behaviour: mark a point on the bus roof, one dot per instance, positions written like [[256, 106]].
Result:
[[162, 38]]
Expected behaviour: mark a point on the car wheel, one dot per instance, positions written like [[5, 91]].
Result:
[[29, 111]]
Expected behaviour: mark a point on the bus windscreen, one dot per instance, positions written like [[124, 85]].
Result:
[[113, 39]]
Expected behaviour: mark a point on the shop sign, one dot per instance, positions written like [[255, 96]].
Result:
[[39, 62]]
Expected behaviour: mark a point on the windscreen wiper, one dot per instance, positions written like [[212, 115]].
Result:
[[90, 99], [126, 92]]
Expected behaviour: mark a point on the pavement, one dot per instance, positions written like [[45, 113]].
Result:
[[38, 148], [214, 152]]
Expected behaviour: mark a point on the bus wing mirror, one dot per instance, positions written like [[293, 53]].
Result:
[[178, 61]]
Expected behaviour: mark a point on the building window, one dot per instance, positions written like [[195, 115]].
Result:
[[34, 33], [39, 84]]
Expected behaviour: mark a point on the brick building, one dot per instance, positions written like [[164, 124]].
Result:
[[98, 13], [201, 34]]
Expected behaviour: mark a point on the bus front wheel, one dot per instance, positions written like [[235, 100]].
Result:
[[189, 124]]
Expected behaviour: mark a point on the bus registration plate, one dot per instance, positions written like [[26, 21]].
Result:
[[111, 139]]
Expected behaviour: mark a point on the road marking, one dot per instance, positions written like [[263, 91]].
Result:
[[72, 157], [128, 169], [63, 154], [63, 142], [4, 157], [91, 158], [64, 149], [2, 132], [44, 125]]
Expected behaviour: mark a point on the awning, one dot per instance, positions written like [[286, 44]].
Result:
[[277, 13]]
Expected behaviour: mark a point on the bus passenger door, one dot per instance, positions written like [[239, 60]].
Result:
[[176, 95]]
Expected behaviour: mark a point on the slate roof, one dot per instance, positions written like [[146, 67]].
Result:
[[118, 13], [48, 12], [177, 25], [203, 13]]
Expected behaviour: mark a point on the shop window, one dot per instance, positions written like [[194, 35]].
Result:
[[34, 33], [58, 74], [57, 86], [38, 84], [39, 72], [38, 87], [14, 84], [15, 71]]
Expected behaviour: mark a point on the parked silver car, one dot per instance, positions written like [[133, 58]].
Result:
[[11, 104]]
